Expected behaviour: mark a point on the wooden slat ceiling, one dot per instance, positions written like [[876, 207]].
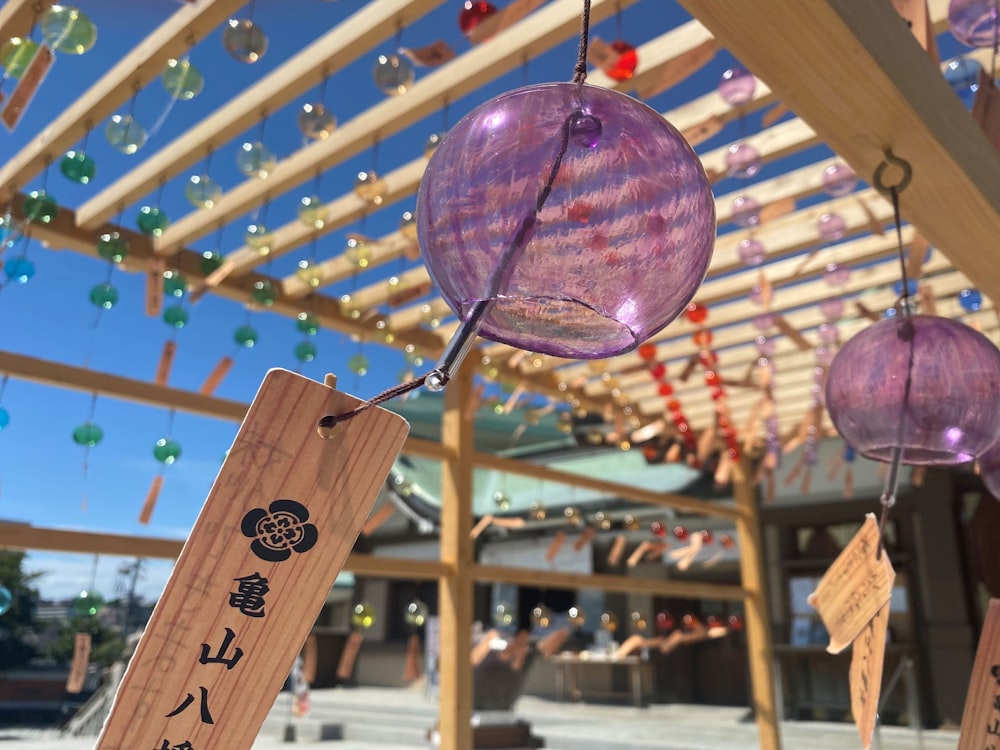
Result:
[[886, 92]]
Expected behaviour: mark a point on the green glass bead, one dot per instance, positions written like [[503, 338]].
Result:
[[104, 296], [310, 273], [358, 364], [78, 167], [210, 261], [112, 247], [88, 604], [312, 211], [166, 451], [174, 284], [68, 30], [88, 434], [152, 221], [363, 616], [246, 336], [125, 134], [256, 160], [182, 79], [414, 359], [307, 323], [263, 293], [202, 191], [305, 351], [358, 252], [176, 316], [15, 54], [259, 238], [40, 207]]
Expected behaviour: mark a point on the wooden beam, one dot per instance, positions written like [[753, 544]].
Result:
[[18, 17], [883, 92], [357, 34], [191, 22], [456, 592]]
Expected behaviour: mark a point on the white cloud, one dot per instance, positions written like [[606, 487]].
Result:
[[66, 575]]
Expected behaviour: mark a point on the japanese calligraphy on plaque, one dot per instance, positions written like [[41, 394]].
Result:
[[981, 717], [275, 530]]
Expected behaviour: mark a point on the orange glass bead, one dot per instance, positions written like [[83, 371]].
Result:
[[666, 389], [673, 405], [681, 533], [726, 541], [696, 313], [711, 377], [647, 351], [702, 337]]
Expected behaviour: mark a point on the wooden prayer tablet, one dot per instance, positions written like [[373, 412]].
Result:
[[867, 661], [981, 717], [855, 587], [78, 668], [261, 559]]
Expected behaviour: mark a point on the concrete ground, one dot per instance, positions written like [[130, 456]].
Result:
[[377, 719]]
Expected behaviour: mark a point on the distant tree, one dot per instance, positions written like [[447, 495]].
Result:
[[105, 643], [17, 623]]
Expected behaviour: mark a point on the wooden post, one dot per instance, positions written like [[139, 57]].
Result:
[[456, 585], [757, 615]]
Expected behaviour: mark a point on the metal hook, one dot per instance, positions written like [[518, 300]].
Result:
[[892, 160]]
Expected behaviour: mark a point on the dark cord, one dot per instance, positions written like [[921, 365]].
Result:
[[580, 70]]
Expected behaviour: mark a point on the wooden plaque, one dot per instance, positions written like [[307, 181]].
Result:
[[81, 659], [32, 78], [271, 538], [867, 661], [981, 717]]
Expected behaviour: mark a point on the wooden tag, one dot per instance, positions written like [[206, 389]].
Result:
[[600, 54], [32, 78], [166, 362], [410, 294], [637, 554], [697, 134], [585, 536], [867, 660], [617, 550], [432, 55], [379, 517], [503, 19], [855, 587], [411, 667], [776, 209], [774, 114], [154, 286], [271, 538], [349, 656], [981, 717], [78, 668], [986, 108], [557, 542], [916, 255], [678, 69], [151, 497], [216, 376]]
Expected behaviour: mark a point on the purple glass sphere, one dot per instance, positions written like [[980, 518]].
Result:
[[742, 160], [953, 412], [972, 22], [619, 245], [765, 346], [828, 333], [751, 251], [832, 309], [736, 87], [839, 180], [763, 321], [831, 227], [836, 275], [989, 469], [745, 212]]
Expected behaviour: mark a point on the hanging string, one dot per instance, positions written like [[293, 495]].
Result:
[[580, 69]]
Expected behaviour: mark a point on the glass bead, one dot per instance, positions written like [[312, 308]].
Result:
[[305, 351], [312, 211], [726, 540], [88, 604], [839, 180], [911, 287], [259, 238], [751, 252], [104, 296], [152, 221], [370, 187], [647, 351], [541, 616], [431, 144], [358, 364], [763, 321], [963, 77], [166, 451], [954, 374], [537, 511], [4, 418], [831, 227], [78, 167], [576, 617], [174, 284], [393, 74], [638, 621], [665, 389], [416, 614], [832, 309], [836, 275], [124, 134], [536, 311], [256, 160], [182, 79], [68, 30], [665, 621], [40, 207], [623, 67], [88, 434], [246, 336], [10, 230], [202, 191], [176, 316], [15, 55], [756, 294], [743, 161], [609, 621], [209, 262], [315, 121], [349, 308], [307, 323], [503, 615], [765, 346], [585, 130], [658, 529], [828, 333], [501, 500], [358, 252], [680, 533], [19, 270], [408, 226], [309, 273], [473, 13], [970, 300], [363, 616], [745, 212], [263, 293], [824, 355], [737, 86], [696, 313], [244, 40], [658, 371], [973, 22]]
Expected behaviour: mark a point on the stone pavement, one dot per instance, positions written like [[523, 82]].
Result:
[[382, 718]]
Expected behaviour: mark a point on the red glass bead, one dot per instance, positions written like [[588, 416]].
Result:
[[681, 533], [623, 68], [666, 389], [665, 621], [649, 452], [690, 621], [682, 426], [711, 377], [735, 622], [658, 370], [673, 405], [696, 313], [733, 453], [658, 529], [706, 536], [726, 541], [473, 13], [702, 337], [712, 621], [716, 393], [647, 351], [726, 432], [708, 357], [722, 420]]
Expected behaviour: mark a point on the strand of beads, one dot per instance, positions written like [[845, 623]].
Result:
[[658, 371]]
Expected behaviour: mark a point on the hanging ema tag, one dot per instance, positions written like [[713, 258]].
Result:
[[867, 660], [981, 717], [855, 587], [261, 559]]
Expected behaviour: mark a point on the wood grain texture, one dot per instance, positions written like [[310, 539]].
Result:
[[981, 716]]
